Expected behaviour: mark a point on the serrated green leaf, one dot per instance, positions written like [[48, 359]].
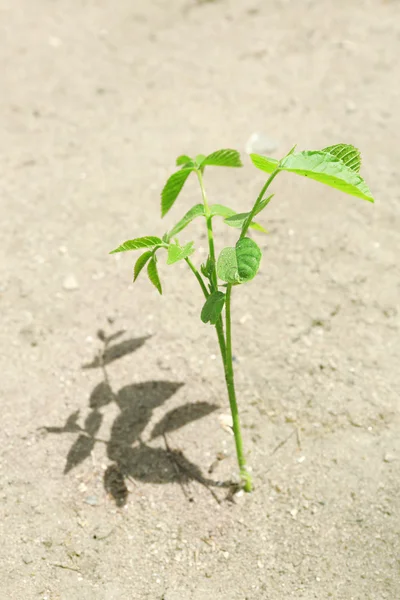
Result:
[[232, 218], [182, 160], [172, 189], [239, 264], [140, 263], [177, 252], [212, 308], [348, 154], [223, 158], [152, 272], [322, 167], [193, 213], [239, 219], [264, 163], [143, 242]]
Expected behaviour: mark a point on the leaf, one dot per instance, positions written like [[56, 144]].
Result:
[[321, 166], [207, 268], [239, 219], [212, 308], [239, 264], [223, 158], [348, 154], [178, 417], [177, 252], [248, 256], [264, 202], [149, 241], [219, 210], [140, 263], [264, 163], [193, 213], [152, 272], [182, 160], [172, 189], [199, 160]]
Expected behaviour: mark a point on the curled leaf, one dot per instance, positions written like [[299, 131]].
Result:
[[239, 264], [348, 154]]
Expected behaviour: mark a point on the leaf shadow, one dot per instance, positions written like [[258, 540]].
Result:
[[129, 454]]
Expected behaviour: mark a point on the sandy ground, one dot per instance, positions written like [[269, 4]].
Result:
[[97, 98]]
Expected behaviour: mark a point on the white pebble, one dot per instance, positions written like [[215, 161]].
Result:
[[70, 283]]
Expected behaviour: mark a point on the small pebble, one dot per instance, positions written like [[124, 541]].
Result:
[[350, 106], [388, 458], [70, 283], [92, 500], [259, 143]]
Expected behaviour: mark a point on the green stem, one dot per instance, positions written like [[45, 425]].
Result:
[[253, 211], [219, 326], [230, 384], [210, 234], [198, 277], [225, 344]]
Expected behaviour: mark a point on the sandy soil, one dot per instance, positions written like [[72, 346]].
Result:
[[97, 99]]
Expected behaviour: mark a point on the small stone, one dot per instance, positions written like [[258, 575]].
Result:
[[388, 458], [259, 143], [63, 250], [92, 500], [294, 512], [245, 318], [301, 459], [226, 422], [70, 283], [350, 106]]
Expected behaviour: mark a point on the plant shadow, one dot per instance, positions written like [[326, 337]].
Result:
[[131, 456]]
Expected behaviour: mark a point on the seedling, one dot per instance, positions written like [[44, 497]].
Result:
[[337, 166]]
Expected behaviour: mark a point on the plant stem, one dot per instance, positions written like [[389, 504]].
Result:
[[210, 234], [225, 344], [198, 277], [219, 326], [253, 211], [230, 384]]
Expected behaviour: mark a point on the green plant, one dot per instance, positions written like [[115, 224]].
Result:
[[337, 166]]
